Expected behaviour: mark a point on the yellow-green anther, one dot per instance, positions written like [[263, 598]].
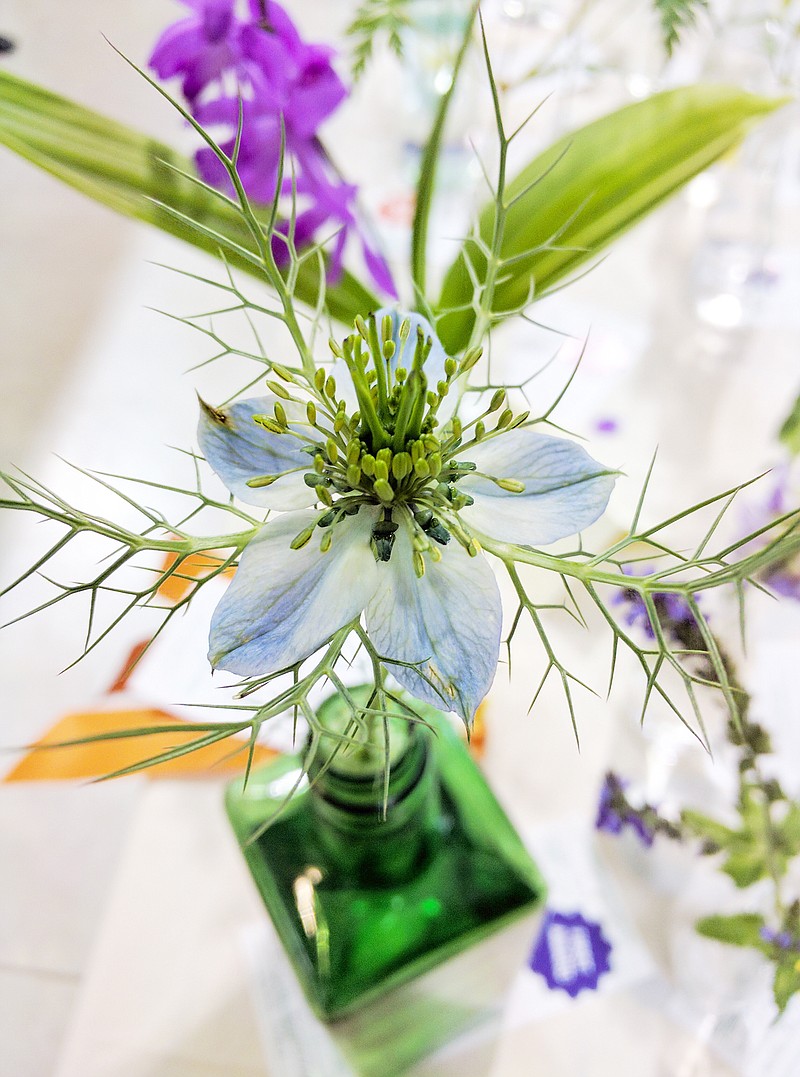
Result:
[[442, 388], [497, 401], [330, 387], [280, 414], [435, 463], [337, 351], [461, 535], [319, 378], [361, 326], [404, 330], [401, 465], [279, 390], [386, 328], [384, 490], [332, 449], [384, 455], [324, 495], [430, 442], [319, 463], [435, 554], [355, 419], [311, 412], [400, 375], [474, 547], [417, 451], [325, 542], [368, 464], [470, 359], [299, 541], [450, 367], [381, 470], [388, 350], [261, 480], [353, 451], [480, 430], [353, 474], [518, 420], [422, 468], [283, 373], [419, 564], [457, 428], [339, 422], [512, 485], [269, 424], [504, 419], [432, 400]]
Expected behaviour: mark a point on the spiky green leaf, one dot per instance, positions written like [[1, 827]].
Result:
[[142, 178], [589, 187]]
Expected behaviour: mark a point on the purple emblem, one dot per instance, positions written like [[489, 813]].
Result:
[[571, 952]]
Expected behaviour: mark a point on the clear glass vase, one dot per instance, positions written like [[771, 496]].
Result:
[[406, 926]]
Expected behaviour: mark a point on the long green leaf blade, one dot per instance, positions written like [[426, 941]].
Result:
[[592, 185], [140, 177]]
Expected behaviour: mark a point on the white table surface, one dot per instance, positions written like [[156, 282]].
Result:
[[124, 907]]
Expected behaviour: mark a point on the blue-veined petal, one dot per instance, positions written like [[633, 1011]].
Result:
[[239, 449], [448, 623], [283, 604], [565, 489], [404, 356]]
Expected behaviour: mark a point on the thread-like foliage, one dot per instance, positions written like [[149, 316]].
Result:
[[375, 18], [676, 16]]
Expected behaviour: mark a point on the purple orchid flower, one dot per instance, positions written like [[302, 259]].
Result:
[[201, 47], [286, 88]]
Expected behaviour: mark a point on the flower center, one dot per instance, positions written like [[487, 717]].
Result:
[[389, 452]]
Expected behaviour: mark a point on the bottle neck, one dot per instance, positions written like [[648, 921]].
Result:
[[380, 830]]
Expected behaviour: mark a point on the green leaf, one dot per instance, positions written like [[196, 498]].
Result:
[[140, 177], [591, 186], [741, 929], [702, 826], [747, 865], [788, 831], [790, 431], [786, 983]]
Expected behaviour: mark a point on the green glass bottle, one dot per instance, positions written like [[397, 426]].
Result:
[[404, 906]]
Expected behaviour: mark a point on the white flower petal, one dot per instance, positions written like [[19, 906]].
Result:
[[283, 604], [448, 622], [239, 449], [565, 489]]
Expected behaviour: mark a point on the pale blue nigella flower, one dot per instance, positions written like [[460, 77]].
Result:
[[383, 508]]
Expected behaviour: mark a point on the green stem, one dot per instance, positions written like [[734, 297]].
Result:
[[428, 164]]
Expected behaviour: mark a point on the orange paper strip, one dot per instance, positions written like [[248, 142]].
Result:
[[95, 760]]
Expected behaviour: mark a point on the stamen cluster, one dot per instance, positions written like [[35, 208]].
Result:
[[389, 452]]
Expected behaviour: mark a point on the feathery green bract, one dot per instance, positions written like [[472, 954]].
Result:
[[373, 18], [676, 16], [587, 189], [146, 179]]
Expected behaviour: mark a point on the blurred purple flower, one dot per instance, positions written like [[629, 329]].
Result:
[[284, 89], [673, 610], [782, 577], [614, 813], [783, 940], [201, 47]]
